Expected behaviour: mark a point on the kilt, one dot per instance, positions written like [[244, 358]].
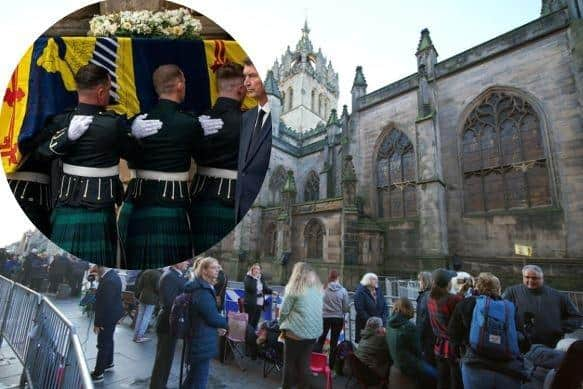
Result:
[[123, 219], [88, 234], [157, 237], [211, 222]]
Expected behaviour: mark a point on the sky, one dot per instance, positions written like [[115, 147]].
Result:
[[380, 35]]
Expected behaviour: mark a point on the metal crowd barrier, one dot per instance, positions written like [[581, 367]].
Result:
[[44, 340]]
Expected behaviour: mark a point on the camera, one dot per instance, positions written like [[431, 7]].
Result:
[[91, 277]]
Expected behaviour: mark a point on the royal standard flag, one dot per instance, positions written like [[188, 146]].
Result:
[[43, 83]]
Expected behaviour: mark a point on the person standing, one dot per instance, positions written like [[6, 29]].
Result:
[[108, 311], [440, 306], [255, 143], [221, 289], [59, 271], [336, 305], [301, 323], [147, 292], [368, 302], [206, 323], [546, 313], [78, 269], [424, 330], [480, 370], [171, 285], [158, 231], [213, 189], [255, 291], [90, 145]]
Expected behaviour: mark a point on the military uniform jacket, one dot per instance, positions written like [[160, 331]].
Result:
[[219, 150], [33, 192], [168, 151], [106, 140]]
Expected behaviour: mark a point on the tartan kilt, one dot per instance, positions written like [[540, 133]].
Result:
[[88, 234], [211, 222], [157, 237], [123, 221]]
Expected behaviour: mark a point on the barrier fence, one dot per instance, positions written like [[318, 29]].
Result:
[[44, 341]]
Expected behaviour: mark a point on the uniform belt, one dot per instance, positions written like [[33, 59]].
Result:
[[216, 172], [90, 172], [162, 176], [40, 178]]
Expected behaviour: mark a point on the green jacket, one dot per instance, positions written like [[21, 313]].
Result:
[[147, 287], [373, 350], [404, 346], [302, 314]]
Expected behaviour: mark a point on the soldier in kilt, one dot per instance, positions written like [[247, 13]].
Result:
[[213, 189], [158, 230], [90, 144]]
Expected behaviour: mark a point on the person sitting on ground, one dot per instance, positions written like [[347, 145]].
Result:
[[373, 350], [481, 368], [569, 374], [403, 340]]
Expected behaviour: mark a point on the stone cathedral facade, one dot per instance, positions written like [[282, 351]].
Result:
[[479, 155]]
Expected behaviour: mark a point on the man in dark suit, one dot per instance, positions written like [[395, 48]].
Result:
[[171, 285], [255, 142], [108, 311]]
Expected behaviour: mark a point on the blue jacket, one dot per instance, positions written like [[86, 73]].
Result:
[[108, 306], [367, 307], [253, 161], [204, 319]]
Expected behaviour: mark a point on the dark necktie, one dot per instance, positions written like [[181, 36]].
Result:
[[256, 130]]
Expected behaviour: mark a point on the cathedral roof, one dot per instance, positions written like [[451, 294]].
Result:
[[271, 87]]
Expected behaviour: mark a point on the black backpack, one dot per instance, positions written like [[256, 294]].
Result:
[[180, 316], [341, 358]]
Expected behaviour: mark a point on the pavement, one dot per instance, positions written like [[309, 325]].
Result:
[[134, 361]]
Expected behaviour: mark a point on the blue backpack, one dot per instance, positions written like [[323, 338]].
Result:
[[493, 330]]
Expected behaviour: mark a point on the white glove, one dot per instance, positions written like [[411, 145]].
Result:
[[142, 128], [210, 126], [79, 124]]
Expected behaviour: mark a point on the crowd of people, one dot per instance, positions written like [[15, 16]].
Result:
[[461, 332], [43, 273]]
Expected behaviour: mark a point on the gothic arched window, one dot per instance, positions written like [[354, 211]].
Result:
[[312, 187], [271, 240], [276, 183], [503, 158], [320, 104], [290, 97], [283, 101], [395, 171], [313, 101], [314, 239]]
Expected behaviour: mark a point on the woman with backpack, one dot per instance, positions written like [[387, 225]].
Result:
[[485, 327], [368, 302], [440, 306], [205, 322], [300, 323], [336, 304]]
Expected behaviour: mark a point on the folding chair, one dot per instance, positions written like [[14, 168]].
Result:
[[272, 352], [130, 307], [319, 365], [235, 337]]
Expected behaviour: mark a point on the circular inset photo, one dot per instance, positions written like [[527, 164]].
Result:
[[135, 138]]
